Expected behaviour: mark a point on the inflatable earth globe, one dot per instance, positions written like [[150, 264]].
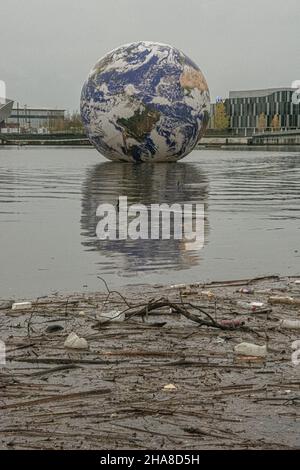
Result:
[[145, 102]]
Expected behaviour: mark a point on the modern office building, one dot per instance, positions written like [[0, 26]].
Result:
[[244, 108], [252, 111], [28, 119]]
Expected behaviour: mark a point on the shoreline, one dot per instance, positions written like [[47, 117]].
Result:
[[202, 146], [274, 141], [158, 378]]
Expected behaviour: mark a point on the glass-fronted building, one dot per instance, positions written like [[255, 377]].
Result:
[[32, 119], [245, 107]]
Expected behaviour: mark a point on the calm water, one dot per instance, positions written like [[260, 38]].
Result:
[[48, 201]]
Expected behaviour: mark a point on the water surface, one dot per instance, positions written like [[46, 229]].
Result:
[[49, 197]]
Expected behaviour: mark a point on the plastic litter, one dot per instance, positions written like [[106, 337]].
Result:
[[208, 293], [74, 342], [243, 304], [21, 305], [220, 340], [250, 349], [290, 324], [112, 316], [246, 290], [169, 387], [253, 306], [171, 310], [54, 328]]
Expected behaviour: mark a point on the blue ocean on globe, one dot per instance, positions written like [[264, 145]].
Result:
[[145, 101]]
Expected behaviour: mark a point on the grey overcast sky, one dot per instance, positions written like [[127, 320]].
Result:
[[49, 46]]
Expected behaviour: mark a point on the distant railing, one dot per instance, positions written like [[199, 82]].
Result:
[[248, 131], [281, 130], [42, 131]]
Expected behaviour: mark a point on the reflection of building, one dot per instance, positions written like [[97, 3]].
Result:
[[145, 184], [254, 109], [32, 119]]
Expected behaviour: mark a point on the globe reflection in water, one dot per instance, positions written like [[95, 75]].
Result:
[[142, 184]]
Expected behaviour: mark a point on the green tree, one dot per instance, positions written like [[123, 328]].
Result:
[[221, 119]]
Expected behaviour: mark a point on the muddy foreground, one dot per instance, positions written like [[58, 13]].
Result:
[[114, 395]]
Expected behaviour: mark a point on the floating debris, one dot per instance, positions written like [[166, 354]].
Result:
[[54, 328], [251, 306], [246, 290], [112, 316], [250, 349], [256, 305], [284, 300], [21, 305], [208, 293], [219, 391], [170, 387], [290, 324], [74, 342]]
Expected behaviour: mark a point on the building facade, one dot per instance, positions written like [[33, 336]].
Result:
[[25, 119], [253, 111], [245, 109]]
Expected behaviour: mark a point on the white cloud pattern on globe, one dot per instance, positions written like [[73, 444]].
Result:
[[145, 101]]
